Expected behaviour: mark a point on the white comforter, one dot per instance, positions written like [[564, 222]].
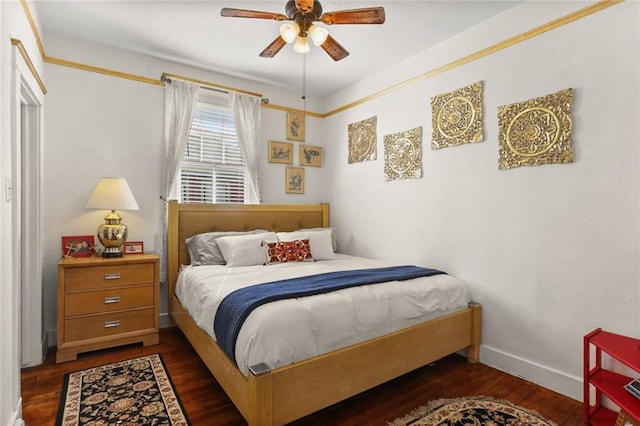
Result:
[[280, 333]]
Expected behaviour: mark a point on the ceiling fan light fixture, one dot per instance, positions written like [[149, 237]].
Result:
[[301, 45], [318, 34], [289, 32], [303, 14]]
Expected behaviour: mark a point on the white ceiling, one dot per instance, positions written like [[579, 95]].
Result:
[[194, 33]]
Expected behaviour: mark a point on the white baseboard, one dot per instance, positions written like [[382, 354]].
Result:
[[549, 378], [166, 321], [45, 345], [31, 360], [16, 416], [52, 337]]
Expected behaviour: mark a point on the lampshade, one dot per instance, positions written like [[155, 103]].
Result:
[[112, 194], [289, 31], [318, 34], [301, 45]]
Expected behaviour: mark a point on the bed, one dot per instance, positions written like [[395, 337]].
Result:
[[287, 393]]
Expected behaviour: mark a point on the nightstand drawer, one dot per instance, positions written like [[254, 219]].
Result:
[[97, 277], [108, 324], [94, 302]]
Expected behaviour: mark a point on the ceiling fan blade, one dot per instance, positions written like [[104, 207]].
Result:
[[334, 49], [242, 13], [370, 15], [275, 46]]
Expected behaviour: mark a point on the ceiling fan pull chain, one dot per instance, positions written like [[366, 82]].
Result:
[[304, 85]]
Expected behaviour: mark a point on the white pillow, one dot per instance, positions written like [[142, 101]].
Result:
[[203, 249], [245, 250], [319, 240], [334, 237]]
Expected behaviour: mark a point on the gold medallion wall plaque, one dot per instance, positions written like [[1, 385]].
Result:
[[457, 117], [536, 132], [362, 140], [403, 155]]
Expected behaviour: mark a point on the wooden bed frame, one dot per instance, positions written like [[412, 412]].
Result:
[[288, 393]]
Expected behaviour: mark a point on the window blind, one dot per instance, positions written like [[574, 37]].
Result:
[[213, 170]]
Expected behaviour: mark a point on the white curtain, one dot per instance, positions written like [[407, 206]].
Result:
[[180, 99], [247, 115]]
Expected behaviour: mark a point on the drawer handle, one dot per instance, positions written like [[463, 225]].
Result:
[[111, 324], [114, 299], [115, 276]]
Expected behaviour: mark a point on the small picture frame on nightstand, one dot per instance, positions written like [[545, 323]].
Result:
[[77, 246], [134, 247]]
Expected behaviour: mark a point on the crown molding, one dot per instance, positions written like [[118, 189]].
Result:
[[567, 19], [100, 70], [293, 110], [18, 44], [34, 27]]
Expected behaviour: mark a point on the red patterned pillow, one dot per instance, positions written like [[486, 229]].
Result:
[[288, 251]]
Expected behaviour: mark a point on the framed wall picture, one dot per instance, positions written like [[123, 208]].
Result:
[[134, 247], [78, 246], [280, 152], [295, 126], [310, 156], [294, 180]]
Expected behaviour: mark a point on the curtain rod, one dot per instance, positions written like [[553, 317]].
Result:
[[208, 85], [166, 79]]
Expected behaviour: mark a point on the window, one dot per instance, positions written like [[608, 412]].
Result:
[[212, 170]]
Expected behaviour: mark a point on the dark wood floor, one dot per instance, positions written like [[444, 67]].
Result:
[[206, 403]]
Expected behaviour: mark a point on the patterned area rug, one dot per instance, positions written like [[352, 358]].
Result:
[[479, 410], [133, 392]]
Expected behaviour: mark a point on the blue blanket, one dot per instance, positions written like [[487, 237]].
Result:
[[236, 306]]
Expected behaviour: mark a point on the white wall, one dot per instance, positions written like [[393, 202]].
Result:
[[99, 125], [551, 251], [13, 24]]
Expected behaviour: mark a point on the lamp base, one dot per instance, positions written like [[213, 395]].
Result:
[[112, 235], [114, 253]]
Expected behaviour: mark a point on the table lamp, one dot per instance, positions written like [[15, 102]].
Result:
[[112, 194]]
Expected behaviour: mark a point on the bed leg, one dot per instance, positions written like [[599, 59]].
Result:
[[260, 402], [473, 351]]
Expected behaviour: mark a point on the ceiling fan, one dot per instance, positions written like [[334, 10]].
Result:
[[303, 13]]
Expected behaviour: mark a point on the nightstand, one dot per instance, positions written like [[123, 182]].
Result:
[[106, 302]]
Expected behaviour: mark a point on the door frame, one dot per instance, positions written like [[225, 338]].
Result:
[[27, 102]]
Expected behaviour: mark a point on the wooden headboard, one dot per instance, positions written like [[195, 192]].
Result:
[[186, 220]]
